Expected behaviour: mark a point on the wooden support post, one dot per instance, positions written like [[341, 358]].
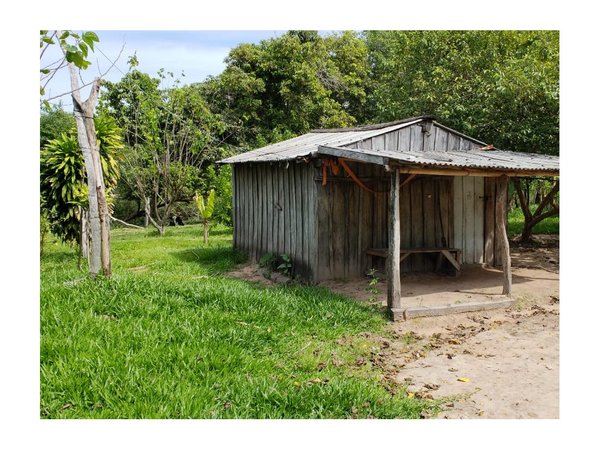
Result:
[[501, 234], [393, 260]]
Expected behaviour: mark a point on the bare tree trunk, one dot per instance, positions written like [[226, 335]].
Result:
[[84, 239], [97, 207], [206, 232], [146, 211]]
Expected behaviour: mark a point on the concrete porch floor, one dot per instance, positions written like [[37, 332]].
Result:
[[475, 289]]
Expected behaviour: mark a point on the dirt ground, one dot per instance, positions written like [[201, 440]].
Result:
[[490, 364]]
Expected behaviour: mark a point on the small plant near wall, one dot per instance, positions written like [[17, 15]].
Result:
[[285, 266], [271, 262], [372, 288]]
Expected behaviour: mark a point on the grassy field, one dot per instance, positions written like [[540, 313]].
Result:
[[516, 221], [170, 336]]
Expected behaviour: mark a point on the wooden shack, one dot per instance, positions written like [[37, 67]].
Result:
[[413, 192]]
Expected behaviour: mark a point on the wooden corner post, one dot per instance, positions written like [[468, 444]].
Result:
[[393, 259], [501, 233]]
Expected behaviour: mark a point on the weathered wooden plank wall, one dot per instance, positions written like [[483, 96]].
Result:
[[468, 218], [275, 211], [352, 220], [414, 138]]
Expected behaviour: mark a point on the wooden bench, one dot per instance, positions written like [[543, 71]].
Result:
[[451, 254]]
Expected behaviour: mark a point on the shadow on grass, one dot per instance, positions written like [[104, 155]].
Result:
[[216, 260], [59, 257]]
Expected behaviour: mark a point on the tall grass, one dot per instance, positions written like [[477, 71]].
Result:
[[171, 336]]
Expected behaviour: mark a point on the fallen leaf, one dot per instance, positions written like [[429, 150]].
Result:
[[463, 380]]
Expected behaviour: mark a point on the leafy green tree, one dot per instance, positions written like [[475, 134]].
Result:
[[171, 137], [54, 122], [288, 85], [63, 186], [501, 86]]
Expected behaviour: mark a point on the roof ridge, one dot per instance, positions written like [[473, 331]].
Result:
[[374, 126]]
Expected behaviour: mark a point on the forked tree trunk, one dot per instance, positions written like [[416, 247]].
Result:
[[532, 219], [99, 222]]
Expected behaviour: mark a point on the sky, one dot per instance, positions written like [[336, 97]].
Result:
[[198, 54]]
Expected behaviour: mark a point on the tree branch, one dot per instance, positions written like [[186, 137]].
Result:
[[125, 223]]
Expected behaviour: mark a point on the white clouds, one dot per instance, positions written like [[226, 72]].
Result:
[[197, 53]]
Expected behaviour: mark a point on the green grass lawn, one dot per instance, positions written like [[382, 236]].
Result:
[[170, 336], [516, 221]]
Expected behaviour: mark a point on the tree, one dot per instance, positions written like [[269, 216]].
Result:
[[501, 86], [288, 85], [63, 185], [53, 123], [170, 136], [205, 209], [547, 207], [75, 49]]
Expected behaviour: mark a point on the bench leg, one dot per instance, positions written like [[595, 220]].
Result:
[[453, 261]]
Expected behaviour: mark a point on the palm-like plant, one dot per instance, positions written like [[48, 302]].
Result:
[[206, 210]]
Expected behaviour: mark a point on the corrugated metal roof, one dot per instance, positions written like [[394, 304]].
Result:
[[306, 144], [480, 159]]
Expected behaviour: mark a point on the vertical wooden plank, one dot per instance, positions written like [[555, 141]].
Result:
[[458, 214], [393, 259], [416, 138], [429, 139], [287, 181], [478, 235], [443, 209], [489, 220], [441, 140], [255, 212], [261, 243], [323, 271], [306, 236], [378, 142], [501, 233], [417, 237], [291, 203], [250, 175], [243, 208], [453, 142], [450, 189], [497, 219], [468, 218], [280, 209], [352, 213], [234, 204], [428, 220], [404, 139], [248, 211], [405, 224], [240, 196], [311, 227], [391, 141], [366, 215], [301, 237]]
